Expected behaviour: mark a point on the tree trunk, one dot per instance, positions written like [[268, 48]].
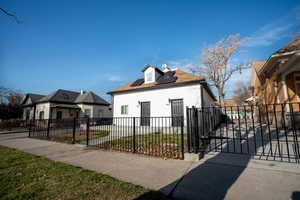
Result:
[[221, 96]]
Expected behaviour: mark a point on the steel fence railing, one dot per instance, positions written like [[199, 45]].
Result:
[[269, 131], [159, 137]]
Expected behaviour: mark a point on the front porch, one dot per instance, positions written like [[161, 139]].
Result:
[[64, 111]]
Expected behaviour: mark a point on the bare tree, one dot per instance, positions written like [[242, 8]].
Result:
[[4, 93], [11, 15], [11, 96], [241, 92], [15, 98], [216, 66]]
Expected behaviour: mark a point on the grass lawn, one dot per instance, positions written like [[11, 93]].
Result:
[[24, 176], [163, 145], [66, 137]]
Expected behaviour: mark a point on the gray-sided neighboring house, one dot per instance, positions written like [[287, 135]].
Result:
[[63, 104]]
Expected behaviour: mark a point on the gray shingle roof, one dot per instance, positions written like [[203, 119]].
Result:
[[34, 97], [156, 69], [60, 95], [67, 96], [90, 98]]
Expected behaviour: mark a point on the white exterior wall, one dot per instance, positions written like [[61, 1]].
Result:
[[95, 110], [66, 113], [159, 100], [31, 112], [70, 113], [42, 107], [155, 74]]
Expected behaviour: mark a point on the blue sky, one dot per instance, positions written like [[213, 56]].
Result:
[[99, 45]]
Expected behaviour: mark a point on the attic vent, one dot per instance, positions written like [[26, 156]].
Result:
[[168, 77], [138, 82]]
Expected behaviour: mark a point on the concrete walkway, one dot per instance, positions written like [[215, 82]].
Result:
[[218, 176]]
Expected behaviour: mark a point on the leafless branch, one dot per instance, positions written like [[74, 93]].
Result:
[[215, 62], [11, 15]]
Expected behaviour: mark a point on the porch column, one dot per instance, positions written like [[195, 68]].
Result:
[[50, 113], [34, 111], [285, 91], [275, 83]]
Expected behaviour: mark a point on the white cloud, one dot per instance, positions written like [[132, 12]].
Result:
[[180, 64], [278, 29], [115, 78], [267, 35]]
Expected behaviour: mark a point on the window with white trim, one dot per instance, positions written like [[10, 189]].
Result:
[[124, 109], [149, 77]]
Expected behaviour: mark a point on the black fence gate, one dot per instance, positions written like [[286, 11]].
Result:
[[268, 132]]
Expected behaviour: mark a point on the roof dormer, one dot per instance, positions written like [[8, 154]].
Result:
[[151, 73]]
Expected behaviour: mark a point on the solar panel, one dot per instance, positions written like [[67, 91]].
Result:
[[138, 82], [168, 77]]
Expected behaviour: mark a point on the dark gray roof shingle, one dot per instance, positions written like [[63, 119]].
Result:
[[90, 98], [34, 98], [67, 96], [60, 95]]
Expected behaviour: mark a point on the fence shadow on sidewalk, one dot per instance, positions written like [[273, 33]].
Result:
[[211, 179]]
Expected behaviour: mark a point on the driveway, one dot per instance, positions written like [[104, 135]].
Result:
[[217, 176]]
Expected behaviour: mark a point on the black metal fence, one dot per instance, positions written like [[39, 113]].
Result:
[[268, 132], [14, 125], [127, 134]]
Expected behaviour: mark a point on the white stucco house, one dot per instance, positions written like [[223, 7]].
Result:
[[63, 104], [160, 93]]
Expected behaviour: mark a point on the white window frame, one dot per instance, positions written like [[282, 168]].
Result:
[[124, 109], [149, 75], [295, 84]]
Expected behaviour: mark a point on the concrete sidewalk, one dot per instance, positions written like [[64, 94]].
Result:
[[217, 176]]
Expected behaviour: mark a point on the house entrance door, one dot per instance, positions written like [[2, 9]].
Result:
[[176, 111], [145, 113]]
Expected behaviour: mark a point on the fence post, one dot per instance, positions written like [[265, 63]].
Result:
[[87, 130], [134, 147], [29, 131], [48, 128], [74, 129], [196, 129], [182, 138], [188, 130]]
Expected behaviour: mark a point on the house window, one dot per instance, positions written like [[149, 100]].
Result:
[[87, 112], [297, 85], [41, 115], [124, 109], [100, 112], [59, 115], [27, 114], [149, 77]]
